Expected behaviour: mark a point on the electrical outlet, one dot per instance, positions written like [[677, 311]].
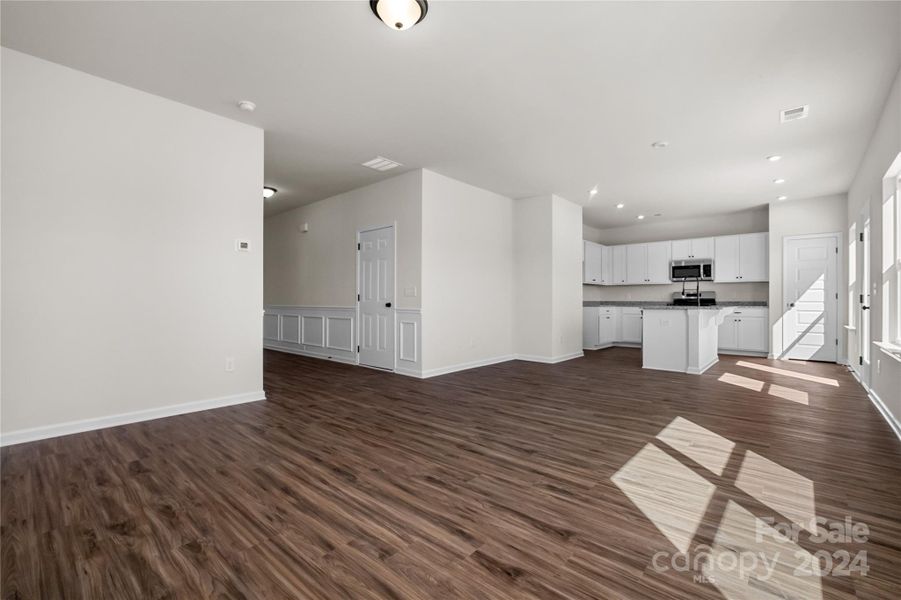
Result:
[[229, 364], [878, 366]]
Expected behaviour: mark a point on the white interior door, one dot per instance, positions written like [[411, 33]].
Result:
[[376, 286], [810, 295]]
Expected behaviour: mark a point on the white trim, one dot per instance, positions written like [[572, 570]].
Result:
[[550, 360], [890, 350], [49, 431], [328, 341], [467, 365], [880, 406], [305, 307], [699, 371], [298, 349]]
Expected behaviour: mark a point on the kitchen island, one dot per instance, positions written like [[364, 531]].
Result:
[[681, 338]]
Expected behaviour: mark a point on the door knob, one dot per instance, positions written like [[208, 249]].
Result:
[[864, 308], [387, 305], [791, 304]]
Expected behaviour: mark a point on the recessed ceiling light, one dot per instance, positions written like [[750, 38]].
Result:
[[399, 14], [269, 192], [620, 205], [778, 181], [247, 105], [593, 191], [640, 217], [660, 144], [782, 198], [774, 158]]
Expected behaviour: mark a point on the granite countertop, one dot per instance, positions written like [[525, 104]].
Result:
[[667, 305]]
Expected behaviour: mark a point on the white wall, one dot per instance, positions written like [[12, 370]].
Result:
[[548, 267], [533, 269], [318, 268], [566, 278], [467, 274], [122, 290], [802, 217], [866, 189], [749, 221]]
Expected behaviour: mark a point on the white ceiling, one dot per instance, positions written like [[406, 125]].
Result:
[[521, 98]]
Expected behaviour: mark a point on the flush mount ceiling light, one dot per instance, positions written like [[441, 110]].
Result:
[[269, 192], [593, 191], [620, 205], [399, 14], [247, 105], [778, 181], [780, 198], [774, 158], [640, 217]]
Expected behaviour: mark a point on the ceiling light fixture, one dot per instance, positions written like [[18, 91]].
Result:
[[593, 191], [620, 205], [399, 14], [640, 217], [660, 144], [780, 198], [269, 192], [247, 105], [778, 181], [774, 158]]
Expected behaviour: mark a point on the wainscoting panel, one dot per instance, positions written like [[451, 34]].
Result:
[[321, 332], [409, 342], [331, 333]]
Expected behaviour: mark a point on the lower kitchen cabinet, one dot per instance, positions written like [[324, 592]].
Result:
[[745, 330], [631, 325], [600, 326]]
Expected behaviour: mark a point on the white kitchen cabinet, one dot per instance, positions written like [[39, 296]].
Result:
[[607, 325], [630, 324], [637, 263], [694, 248], [658, 262], [592, 264], [741, 258], [619, 265], [600, 326], [590, 326], [745, 330]]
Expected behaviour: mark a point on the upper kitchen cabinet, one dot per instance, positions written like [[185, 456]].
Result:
[[592, 263], [648, 263], [619, 264], [695, 248], [596, 264], [740, 258]]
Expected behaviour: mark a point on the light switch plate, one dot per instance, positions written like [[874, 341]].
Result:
[[242, 245]]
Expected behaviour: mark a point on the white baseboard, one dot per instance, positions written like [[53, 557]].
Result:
[[49, 431], [550, 360], [301, 352], [880, 406], [464, 366], [701, 370]]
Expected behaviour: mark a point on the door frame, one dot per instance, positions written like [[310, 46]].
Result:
[[864, 259], [359, 327], [840, 349]]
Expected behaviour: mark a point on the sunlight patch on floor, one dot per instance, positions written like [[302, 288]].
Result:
[[703, 446], [781, 489], [788, 393], [745, 382], [672, 496], [787, 373]]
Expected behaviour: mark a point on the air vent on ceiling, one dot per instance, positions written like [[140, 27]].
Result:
[[380, 163], [793, 114]]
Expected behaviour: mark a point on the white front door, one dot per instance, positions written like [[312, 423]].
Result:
[[376, 285], [810, 294]]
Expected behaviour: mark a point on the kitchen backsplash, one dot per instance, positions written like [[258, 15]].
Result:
[[724, 291]]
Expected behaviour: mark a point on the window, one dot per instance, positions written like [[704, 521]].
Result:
[[891, 265]]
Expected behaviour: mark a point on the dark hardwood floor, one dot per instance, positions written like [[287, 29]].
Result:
[[518, 480]]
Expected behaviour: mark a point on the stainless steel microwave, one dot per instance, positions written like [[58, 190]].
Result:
[[697, 269]]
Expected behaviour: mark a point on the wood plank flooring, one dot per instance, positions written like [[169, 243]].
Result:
[[518, 480]]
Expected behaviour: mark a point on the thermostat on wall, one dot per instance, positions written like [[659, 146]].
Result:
[[242, 245]]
